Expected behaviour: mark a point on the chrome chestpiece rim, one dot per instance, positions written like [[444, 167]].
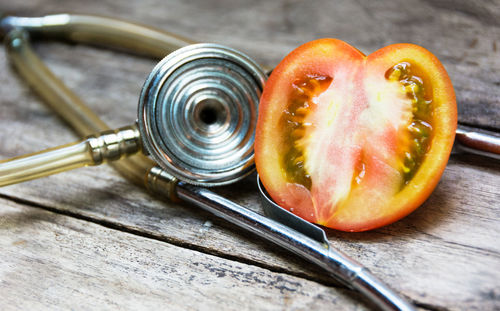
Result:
[[198, 111]]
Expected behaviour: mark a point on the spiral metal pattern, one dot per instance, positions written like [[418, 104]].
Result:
[[198, 112]]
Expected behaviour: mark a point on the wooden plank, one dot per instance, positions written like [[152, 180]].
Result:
[[463, 34], [443, 255], [55, 262]]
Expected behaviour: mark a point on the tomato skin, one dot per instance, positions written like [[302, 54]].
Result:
[[354, 77]]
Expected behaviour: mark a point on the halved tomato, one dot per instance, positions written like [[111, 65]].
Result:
[[354, 142]]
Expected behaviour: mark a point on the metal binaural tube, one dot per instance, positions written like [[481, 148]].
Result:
[[378, 292], [338, 264], [480, 142]]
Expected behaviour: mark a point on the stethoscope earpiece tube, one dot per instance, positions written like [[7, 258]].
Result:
[[97, 30]]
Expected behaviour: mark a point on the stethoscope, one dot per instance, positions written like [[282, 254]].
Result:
[[196, 119]]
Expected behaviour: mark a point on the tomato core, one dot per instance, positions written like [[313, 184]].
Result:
[[413, 143]]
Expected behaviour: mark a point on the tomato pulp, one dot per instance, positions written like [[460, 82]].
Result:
[[354, 142]]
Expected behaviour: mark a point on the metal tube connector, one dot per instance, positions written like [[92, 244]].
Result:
[[113, 145], [160, 182]]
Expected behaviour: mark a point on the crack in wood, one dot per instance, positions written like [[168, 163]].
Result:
[[127, 229], [133, 231]]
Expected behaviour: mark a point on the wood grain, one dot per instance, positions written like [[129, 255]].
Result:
[[465, 35], [445, 255], [55, 262]]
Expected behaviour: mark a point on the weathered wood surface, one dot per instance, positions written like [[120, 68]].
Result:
[[445, 255], [51, 261]]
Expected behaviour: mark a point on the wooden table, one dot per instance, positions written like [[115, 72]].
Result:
[[88, 239]]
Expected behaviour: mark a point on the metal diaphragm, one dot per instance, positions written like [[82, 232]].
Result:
[[198, 112]]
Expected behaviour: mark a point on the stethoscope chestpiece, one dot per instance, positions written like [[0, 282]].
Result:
[[198, 111]]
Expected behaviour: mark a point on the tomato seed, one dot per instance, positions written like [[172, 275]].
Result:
[[293, 120], [420, 129]]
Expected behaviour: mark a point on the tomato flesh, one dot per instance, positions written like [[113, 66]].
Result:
[[354, 142]]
